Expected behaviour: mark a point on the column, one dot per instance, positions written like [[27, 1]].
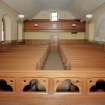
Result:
[[20, 31], [0, 28], [90, 31]]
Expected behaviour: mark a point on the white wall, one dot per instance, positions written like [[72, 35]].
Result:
[[47, 35], [90, 31], [8, 26], [11, 19], [99, 22], [20, 31], [45, 14]]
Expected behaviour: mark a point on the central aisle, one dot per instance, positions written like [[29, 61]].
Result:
[[53, 61]]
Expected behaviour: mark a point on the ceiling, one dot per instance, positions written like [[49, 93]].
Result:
[[31, 7]]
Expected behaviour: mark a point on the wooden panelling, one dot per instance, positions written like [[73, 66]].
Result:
[[84, 80], [61, 25], [81, 79]]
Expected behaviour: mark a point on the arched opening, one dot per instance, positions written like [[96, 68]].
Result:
[[7, 28], [98, 87], [34, 86], [5, 87], [67, 86]]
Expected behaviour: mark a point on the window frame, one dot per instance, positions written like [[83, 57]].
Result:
[[54, 16]]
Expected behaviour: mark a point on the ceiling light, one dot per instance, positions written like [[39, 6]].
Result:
[[89, 16], [35, 25], [21, 16], [74, 25]]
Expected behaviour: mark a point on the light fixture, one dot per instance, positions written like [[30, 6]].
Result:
[[21, 16], [74, 25], [89, 16], [36, 25]]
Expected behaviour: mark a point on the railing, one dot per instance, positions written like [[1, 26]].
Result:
[[47, 82]]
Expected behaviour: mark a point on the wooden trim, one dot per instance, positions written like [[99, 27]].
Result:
[[79, 73], [44, 25]]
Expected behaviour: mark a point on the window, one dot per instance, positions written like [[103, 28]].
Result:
[[3, 30], [54, 16]]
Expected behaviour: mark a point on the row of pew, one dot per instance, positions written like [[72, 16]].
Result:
[[82, 55], [21, 83], [24, 57]]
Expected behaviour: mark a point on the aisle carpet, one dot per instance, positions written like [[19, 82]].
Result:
[[53, 61]]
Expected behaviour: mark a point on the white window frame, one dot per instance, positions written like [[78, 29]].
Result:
[[54, 16]]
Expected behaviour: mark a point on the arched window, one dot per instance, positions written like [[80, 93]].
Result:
[[3, 30]]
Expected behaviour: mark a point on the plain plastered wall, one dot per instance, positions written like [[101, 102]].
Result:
[[90, 31], [5, 10], [47, 35], [99, 22], [20, 31]]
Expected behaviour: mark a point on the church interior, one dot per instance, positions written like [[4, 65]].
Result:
[[52, 52]]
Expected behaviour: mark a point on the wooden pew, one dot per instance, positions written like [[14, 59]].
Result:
[[25, 57], [82, 55], [84, 80]]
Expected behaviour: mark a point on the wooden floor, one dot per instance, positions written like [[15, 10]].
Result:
[[84, 63]]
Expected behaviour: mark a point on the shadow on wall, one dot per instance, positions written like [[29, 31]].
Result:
[[67, 86], [34, 86]]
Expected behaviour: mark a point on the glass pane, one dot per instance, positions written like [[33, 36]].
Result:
[[54, 16]]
